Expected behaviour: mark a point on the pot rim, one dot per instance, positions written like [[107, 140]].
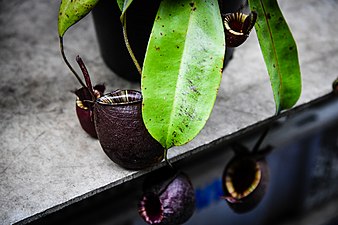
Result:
[[108, 99]]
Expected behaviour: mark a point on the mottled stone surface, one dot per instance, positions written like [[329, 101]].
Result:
[[47, 160]]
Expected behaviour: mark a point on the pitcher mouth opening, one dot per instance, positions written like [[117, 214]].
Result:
[[120, 97], [151, 209], [242, 178]]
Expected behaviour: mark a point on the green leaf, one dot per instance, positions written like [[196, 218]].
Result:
[[120, 3], [182, 69], [71, 11], [279, 51], [125, 6]]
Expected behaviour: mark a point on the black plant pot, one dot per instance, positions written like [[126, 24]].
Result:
[[122, 133], [141, 15], [140, 19]]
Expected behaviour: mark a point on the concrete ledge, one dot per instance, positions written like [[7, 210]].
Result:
[[47, 160]]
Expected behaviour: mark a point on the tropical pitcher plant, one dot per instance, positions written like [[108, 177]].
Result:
[[183, 64]]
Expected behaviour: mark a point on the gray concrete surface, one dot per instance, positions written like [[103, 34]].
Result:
[[47, 161]]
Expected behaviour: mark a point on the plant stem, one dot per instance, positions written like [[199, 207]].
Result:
[[68, 64], [166, 158], [262, 137], [260, 140], [131, 53]]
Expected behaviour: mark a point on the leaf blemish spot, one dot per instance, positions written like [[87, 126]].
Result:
[[192, 5], [194, 89], [268, 16], [181, 129]]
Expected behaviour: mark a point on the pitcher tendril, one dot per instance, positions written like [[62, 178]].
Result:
[[131, 53], [68, 64]]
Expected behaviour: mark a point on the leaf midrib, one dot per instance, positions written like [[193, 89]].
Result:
[[275, 54], [179, 81]]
